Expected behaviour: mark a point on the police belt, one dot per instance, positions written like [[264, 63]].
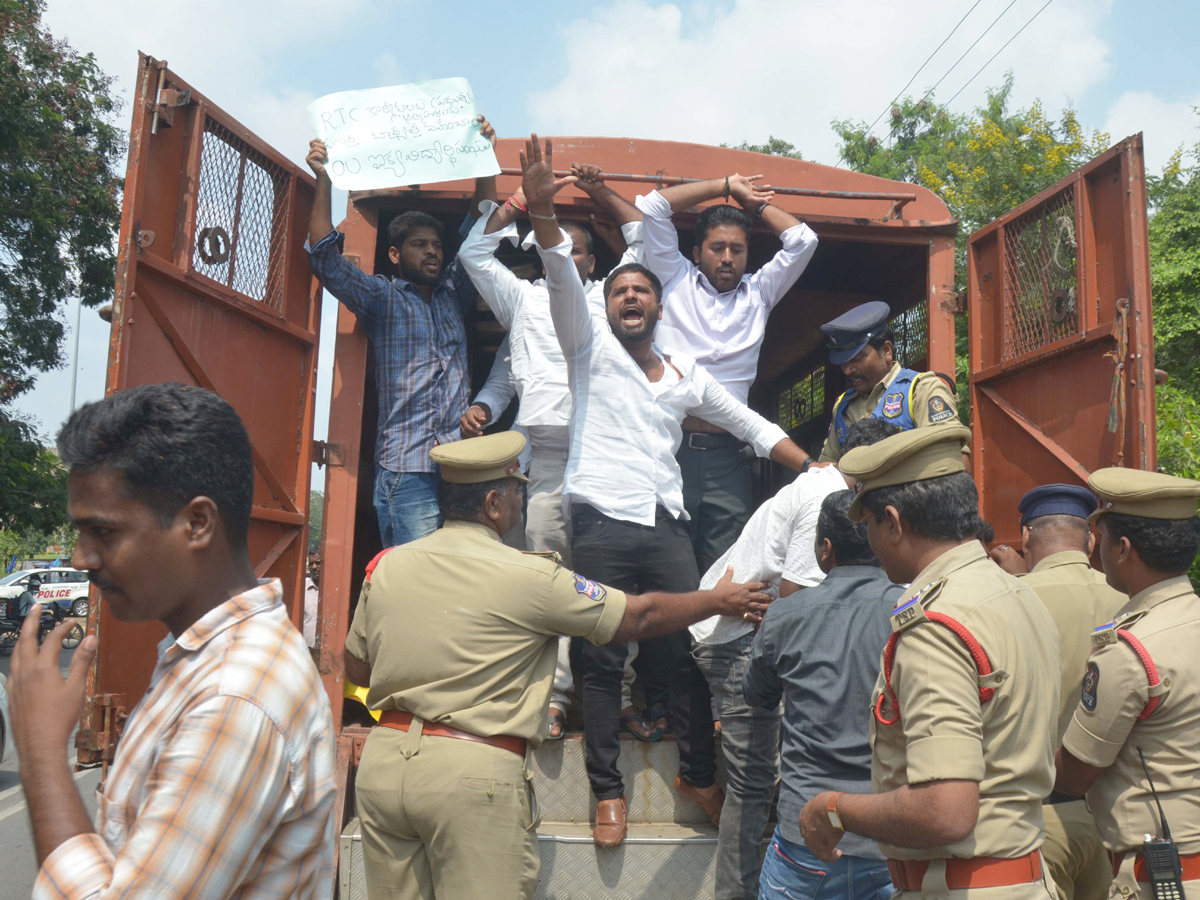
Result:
[[401, 720], [1189, 862], [961, 874]]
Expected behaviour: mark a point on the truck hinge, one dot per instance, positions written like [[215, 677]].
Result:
[[97, 746], [326, 454], [169, 99]]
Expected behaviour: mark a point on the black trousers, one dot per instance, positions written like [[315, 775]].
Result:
[[717, 493], [638, 559]]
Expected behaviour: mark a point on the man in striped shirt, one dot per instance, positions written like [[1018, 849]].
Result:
[[223, 781]]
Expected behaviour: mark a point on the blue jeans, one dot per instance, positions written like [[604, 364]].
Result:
[[406, 505], [791, 872]]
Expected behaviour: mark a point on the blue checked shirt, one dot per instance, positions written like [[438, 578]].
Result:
[[420, 352]]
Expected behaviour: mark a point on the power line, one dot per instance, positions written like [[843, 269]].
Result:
[[923, 65], [998, 52], [969, 49]]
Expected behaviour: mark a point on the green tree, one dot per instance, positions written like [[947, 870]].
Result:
[[59, 196], [773, 147], [33, 484], [316, 520]]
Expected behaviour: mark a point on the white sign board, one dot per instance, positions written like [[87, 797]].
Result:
[[421, 133]]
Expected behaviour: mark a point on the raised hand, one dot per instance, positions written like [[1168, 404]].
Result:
[[486, 129], [744, 600], [317, 156], [537, 173], [747, 192]]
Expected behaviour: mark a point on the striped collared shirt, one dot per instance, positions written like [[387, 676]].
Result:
[[223, 782], [420, 352]]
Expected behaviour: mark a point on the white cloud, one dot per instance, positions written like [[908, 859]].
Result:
[[387, 70], [780, 67], [1167, 124]]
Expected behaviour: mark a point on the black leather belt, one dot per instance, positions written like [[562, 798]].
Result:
[[705, 440], [1057, 797]]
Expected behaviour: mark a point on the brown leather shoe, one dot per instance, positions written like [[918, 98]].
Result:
[[611, 823], [710, 799]]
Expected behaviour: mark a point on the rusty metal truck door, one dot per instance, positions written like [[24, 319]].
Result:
[[213, 289], [1062, 345]]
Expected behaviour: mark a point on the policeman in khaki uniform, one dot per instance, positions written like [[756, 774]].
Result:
[[1057, 542], [861, 343], [963, 714], [456, 634], [1142, 683]]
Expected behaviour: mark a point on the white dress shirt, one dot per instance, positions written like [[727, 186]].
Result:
[[723, 332], [777, 542], [539, 371], [624, 429]]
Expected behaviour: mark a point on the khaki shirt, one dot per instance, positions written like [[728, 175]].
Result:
[[1106, 733], [1079, 600], [460, 629], [927, 387], [1005, 744]]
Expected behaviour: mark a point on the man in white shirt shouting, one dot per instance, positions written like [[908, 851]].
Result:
[[717, 313], [536, 370], [624, 489]]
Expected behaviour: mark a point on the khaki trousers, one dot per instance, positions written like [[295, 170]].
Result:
[[1073, 852], [445, 818]]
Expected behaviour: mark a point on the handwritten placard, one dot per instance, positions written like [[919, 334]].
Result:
[[421, 133]]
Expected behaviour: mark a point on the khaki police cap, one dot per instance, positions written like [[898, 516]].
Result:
[[487, 458], [1150, 495], [914, 455]]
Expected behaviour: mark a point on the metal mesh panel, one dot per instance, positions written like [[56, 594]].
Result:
[[803, 401], [911, 329], [1040, 277], [240, 214]]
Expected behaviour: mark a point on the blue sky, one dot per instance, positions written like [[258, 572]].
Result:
[[708, 72]]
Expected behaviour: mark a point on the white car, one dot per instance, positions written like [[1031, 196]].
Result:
[[62, 585]]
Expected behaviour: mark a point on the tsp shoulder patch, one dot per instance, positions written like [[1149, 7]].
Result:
[[939, 410], [893, 404], [589, 588], [1091, 687]]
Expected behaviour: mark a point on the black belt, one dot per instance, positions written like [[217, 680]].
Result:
[[1057, 797], [707, 440]]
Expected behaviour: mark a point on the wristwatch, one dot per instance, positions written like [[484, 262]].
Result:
[[834, 819], [807, 464]]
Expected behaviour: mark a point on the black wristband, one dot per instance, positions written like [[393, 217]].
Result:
[[726, 187], [808, 461], [761, 209]]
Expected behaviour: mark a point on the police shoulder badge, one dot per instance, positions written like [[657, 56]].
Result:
[[589, 588], [939, 411], [1091, 685], [892, 405]]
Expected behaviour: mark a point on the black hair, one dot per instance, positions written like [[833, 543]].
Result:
[[404, 224], [1165, 545], [1058, 530], [880, 338], [633, 267], [172, 443], [987, 531], [849, 539], [945, 508], [588, 240], [870, 430], [464, 502], [725, 214]]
